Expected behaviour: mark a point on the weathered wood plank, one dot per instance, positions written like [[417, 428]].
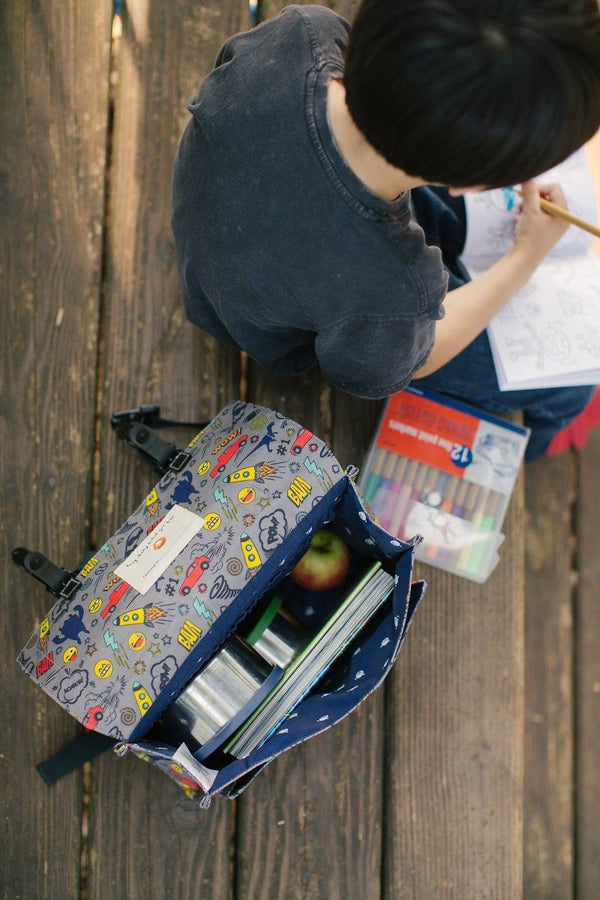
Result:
[[53, 105], [146, 839], [454, 756], [587, 669], [548, 795]]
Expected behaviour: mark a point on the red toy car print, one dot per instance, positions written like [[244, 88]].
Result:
[[93, 716], [227, 454], [113, 598], [194, 574], [302, 439]]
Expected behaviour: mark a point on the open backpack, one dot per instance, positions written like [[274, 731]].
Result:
[[190, 577]]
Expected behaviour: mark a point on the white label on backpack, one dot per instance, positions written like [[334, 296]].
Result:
[[203, 775], [146, 564]]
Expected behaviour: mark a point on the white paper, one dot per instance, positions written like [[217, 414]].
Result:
[[202, 774], [548, 334]]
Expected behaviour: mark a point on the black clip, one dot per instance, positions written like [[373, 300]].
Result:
[[144, 415], [56, 580], [160, 453]]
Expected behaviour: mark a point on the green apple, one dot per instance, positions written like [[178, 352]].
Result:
[[325, 564]]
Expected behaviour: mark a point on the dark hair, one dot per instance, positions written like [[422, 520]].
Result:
[[475, 92]]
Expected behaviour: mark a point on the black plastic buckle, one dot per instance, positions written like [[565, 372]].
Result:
[[160, 453], [56, 580], [145, 415]]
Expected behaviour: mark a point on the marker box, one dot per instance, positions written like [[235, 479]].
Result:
[[443, 470]]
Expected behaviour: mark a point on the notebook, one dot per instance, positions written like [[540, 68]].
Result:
[[548, 334], [311, 665]]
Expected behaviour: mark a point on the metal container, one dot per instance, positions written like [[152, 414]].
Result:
[[221, 688], [281, 640]]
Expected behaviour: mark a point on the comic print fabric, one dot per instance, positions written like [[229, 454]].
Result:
[[143, 619]]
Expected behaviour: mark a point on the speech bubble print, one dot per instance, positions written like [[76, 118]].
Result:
[[162, 672], [273, 529], [72, 687]]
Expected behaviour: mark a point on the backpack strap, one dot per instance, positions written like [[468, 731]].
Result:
[[84, 748], [150, 415]]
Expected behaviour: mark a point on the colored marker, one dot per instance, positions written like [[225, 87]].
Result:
[[431, 497], [436, 493], [476, 499], [375, 476], [435, 498], [458, 508], [447, 507], [385, 481], [392, 492], [402, 498], [486, 519], [415, 494], [451, 492]]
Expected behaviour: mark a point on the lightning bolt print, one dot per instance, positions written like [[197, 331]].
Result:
[[109, 640], [202, 610], [312, 466], [220, 496]]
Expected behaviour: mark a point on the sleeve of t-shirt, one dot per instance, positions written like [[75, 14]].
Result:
[[321, 21], [374, 356]]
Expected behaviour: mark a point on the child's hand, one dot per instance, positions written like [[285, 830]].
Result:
[[536, 232]]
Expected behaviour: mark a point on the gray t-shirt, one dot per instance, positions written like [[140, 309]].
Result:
[[282, 250]]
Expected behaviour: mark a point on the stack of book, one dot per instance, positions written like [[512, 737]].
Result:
[[371, 590], [445, 471]]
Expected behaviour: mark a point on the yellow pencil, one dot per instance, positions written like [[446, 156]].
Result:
[[555, 210]]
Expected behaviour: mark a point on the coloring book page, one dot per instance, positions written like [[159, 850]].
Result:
[[491, 215], [548, 333]]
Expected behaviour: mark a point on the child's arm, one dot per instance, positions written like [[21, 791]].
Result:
[[470, 307]]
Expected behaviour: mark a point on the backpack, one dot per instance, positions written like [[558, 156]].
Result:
[[174, 597]]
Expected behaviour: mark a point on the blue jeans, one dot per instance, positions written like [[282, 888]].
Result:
[[471, 376]]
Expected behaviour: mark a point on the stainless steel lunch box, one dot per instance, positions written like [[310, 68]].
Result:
[[220, 689]]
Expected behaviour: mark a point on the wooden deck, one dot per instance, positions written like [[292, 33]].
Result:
[[474, 772]]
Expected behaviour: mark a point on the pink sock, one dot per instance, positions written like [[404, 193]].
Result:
[[576, 433]]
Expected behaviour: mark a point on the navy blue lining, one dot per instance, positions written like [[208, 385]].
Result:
[[359, 671], [329, 702], [239, 783]]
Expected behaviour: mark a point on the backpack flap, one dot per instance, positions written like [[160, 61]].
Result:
[[172, 583]]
